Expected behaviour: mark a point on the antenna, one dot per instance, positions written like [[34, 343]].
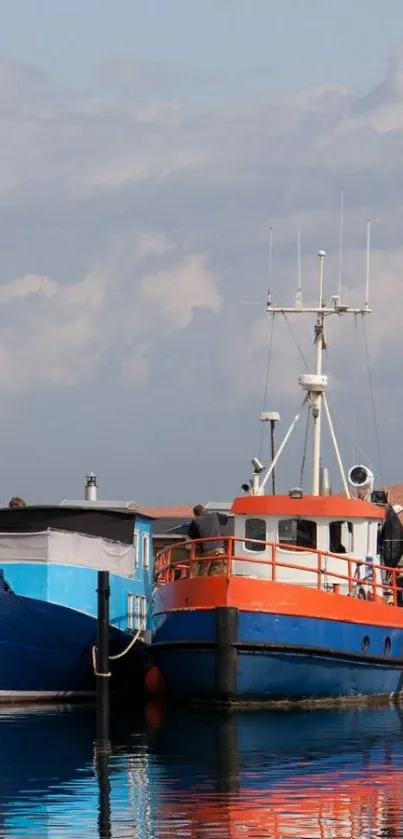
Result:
[[368, 254], [270, 254], [321, 255], [298, 298], [341, 242]]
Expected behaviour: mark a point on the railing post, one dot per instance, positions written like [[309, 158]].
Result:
[[273, 562], [191, 560], [394, 585], [319, 572], [350, 582], [229, 557]]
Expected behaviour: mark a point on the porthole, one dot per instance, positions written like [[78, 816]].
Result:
[[387, 645], [365, 643]]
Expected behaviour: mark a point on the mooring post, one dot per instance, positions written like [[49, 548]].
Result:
[[101, 759], [102, 676]]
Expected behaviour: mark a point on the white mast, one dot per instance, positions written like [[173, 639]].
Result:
[[315, 384], [316, 395]]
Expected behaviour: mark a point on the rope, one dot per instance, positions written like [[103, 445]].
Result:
[[94, 665], [378, 445], [271, 333], [296, 341], [129, 646], [127, 649], [305, 450]]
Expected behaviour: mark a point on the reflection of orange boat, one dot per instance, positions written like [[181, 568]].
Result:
[[372, 807], [338, 795]]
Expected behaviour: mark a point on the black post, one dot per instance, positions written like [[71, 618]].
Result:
[[102, 752], [273, 475], [226, 631], [228, 754], [103, 657]]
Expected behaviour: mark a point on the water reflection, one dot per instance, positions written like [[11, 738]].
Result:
[[337, 775], [175, 773]]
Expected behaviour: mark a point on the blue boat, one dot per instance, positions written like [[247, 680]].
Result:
[[49, 559], [302, 602]]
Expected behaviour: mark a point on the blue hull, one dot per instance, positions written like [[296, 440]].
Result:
[[45, 652], [230, 656]]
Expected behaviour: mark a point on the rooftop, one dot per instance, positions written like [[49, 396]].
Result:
[[184, 511], [178, 512], [122, 506]]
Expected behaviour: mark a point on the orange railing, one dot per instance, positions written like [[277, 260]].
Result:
[[360, 579]]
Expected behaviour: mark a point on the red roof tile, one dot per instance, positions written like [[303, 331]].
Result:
[[178, 512]]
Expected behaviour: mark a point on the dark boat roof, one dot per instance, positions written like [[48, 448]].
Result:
[[113, 524]]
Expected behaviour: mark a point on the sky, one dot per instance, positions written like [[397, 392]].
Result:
[[147, 148]]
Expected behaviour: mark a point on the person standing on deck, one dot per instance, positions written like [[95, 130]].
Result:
[[206, 525]]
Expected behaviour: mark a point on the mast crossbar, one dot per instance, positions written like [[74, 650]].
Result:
[[324, 310]]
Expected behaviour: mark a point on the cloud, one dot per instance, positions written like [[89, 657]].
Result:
[[25, 286], [132, 230], [179, 291]]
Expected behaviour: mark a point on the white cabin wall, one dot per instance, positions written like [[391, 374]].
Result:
[[259, 570], [364, 535]]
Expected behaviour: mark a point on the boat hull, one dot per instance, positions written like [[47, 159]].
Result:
[[45, 653], [273, 646]]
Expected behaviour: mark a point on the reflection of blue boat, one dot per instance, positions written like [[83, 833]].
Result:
[[50, 782], [49, 557], [40, 746]]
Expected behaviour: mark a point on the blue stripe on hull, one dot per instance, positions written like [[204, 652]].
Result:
[[324, 658], [45, 649], [291, 676]]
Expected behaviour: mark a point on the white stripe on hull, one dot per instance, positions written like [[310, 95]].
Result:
[[42, 695]]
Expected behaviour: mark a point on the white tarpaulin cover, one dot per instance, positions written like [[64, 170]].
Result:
[[55, 547]]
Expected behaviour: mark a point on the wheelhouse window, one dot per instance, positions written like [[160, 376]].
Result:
[[136, 548], [255, 529], [146, 551], [298, 532], [341, 537], [140, 613], [131, 617]]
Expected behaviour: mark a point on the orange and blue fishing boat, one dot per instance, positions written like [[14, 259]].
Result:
[[304, 602]]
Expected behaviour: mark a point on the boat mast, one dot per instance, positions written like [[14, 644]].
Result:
[[316, 395], [315, 384]]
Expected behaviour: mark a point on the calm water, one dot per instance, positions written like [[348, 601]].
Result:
[[316, 775]]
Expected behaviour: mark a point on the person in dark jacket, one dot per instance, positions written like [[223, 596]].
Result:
[[206, 525]]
